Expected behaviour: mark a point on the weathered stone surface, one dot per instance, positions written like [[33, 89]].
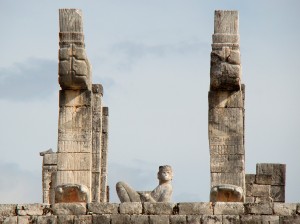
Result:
[[260, 190], [263, 199], [103, 208], [7, 210], [71, 193], [289, 219], [250, 178], [251, 219], [74, 161], [270, 219], [227, 163], [229, 208], [298, 209], [194, 219], [249, 200], [226, 22], [158, 208], [195, 208], [69, 209], [159, 219], [131, 208], [178, 219], [75, 98], [219, 146], [265, 179], [277, 171], [50, 159], [139, 219], [47, 219], [120, 219], [225, 99], [83, 219], [235, 179], [230, 219], [212, 219], [285, 209], [103, 219], [226, 193], [74, 177], [65, 219], [225, 38], [278, 193], [259, 208], [10, 220], [24, 220], [32, 209]]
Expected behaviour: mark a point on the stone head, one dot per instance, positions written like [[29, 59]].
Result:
[[165, 173]]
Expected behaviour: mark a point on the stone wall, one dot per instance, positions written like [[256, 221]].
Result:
[[150, 213]]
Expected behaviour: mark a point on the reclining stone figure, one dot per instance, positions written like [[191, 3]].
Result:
[[162, 193]]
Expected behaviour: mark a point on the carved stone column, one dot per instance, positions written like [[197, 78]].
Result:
[[74, 156], [226, 111]]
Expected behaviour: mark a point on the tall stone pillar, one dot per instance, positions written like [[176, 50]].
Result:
[[74, 153], [226, 111]]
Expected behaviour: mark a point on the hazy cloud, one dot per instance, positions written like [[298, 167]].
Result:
[[32, 79]]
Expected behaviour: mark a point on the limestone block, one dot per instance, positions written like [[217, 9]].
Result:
[[74, 161], [24, 220], [278, 193], [10, 220], [251, 219], [96, 186], [75, 98], [65, 219], [139, 219], [82, 178], [69, 209], [212, 219], [227, 163], [105, 124], [32, 209], [265, 179], [250, 178], [194, 219], [7, 210], [289, 219], [230, 219], [285, 209], [236, 179], [178, 219], [226, 99], [71, 193], [103, 219], [222, 149], [226, 193], [262, 199], [229, 208], [97, 122], [47, 219], [97, 89], [260, 190], [96, 164], [226, 22], [226, 122], [220, 46], [50, 159], [159, 219], [270, 219], [276, 170], [83, 219], [259, 208], [249, 200], [195, 208], [158, 208], [225, 38], [120, 219], [103, 208], [131, 208]]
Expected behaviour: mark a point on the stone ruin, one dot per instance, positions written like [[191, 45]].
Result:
[[75, 177]]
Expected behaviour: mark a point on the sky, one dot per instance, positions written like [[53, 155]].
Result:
[[153, 60]]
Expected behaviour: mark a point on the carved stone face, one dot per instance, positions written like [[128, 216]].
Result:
[[165, 173], [74, 68]]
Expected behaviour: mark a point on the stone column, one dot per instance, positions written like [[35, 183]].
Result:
[[97, 141], [104, 150], [226, 111], [74, 155]]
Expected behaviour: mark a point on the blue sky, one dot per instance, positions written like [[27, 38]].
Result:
[[152, 57]]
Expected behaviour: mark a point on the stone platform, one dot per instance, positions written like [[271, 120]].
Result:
[[150, 213]]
